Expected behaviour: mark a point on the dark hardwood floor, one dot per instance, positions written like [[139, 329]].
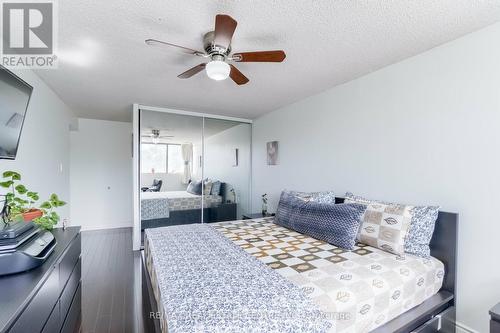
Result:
[[111, 282]]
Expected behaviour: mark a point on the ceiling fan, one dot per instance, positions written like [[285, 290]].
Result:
[[155, 136], [217, 46]]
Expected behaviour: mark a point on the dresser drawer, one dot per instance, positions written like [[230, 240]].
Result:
[[71, 286], [494, 326], [442, 322], [74, 314], [53, 324], [34, 316], [69, 260]]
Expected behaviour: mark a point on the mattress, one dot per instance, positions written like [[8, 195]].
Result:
[[157, 205], [357, 290]]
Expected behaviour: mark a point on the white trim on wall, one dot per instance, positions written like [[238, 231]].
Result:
[[136, 167], [190, 113], [462, 328]]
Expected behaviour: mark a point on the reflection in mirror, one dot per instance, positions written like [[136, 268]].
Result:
[[227, 167], [171, 191], [193, 169]]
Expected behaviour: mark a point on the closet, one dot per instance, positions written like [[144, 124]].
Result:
[[190, 168]]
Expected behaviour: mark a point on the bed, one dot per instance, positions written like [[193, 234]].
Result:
[[345, 291], [175, 207]]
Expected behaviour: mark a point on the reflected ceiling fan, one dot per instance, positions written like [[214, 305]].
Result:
[[155, 136], [217, 45]]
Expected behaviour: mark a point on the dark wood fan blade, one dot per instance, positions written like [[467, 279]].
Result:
[[224, 30], [260, 56], [190, 72], [155, 42], [237, 76]]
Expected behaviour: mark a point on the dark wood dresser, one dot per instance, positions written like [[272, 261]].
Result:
[[47, 298], [495, 319]]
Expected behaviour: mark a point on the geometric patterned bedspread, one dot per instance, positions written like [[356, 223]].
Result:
[[159, 208], [205, 283], [359, 289]]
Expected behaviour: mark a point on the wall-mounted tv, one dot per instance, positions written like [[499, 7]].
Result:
[[14, 99]]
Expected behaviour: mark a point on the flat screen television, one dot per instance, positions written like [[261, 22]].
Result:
[[14, 99]]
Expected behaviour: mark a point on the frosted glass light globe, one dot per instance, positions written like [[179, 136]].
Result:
[[218, 70]]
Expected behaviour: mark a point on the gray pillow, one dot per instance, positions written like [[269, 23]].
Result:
[[216, 185], [288, 205], [421, 229], [334, 224], [290, 200], [194, 187]]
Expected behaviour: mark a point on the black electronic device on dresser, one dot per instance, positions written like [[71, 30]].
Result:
[[23, 246], [46, 298]]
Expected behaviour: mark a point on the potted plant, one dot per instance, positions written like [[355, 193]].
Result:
[[264, 204], [20, 203]]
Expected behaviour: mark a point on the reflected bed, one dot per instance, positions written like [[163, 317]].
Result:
[[168, 208]]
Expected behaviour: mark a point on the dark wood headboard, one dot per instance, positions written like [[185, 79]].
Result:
[[443, 246]]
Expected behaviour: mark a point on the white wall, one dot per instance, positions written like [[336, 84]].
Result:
[[219, 152], [101, 174], [43, 155], [423, 131]]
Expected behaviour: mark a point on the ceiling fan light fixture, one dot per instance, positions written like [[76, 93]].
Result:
[[218, 70]]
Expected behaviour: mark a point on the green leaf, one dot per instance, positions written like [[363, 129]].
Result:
[[54, 197], [54, 217], [20, 201], [46, 205], [46, 222], [33, 195], [6, 184], [59, 203], [12, 174], [21, 189]]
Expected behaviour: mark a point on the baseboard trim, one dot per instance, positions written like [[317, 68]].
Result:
[[462, 328], [106, 227]]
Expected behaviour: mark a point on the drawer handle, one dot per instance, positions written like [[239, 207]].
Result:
[[437, 317]]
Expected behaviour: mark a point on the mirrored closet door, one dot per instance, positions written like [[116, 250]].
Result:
[[169, 145], [227, 163], [193, 169]]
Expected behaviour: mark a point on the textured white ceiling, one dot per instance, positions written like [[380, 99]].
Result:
[[327, 42]]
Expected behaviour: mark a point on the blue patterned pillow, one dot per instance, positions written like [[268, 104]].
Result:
[[335, 224], [287, 205], [421, 227], [421, 230]]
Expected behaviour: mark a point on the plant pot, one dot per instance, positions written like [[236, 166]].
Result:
[[32, 214]]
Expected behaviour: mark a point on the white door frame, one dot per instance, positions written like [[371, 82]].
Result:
[[136, 167]]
